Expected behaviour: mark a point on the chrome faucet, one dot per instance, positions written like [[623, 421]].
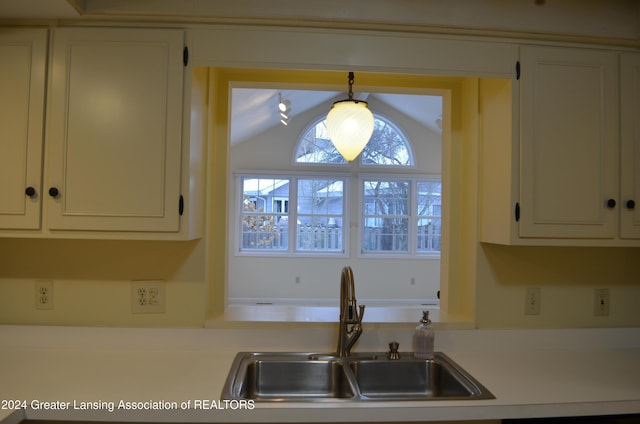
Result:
[[350, 319]]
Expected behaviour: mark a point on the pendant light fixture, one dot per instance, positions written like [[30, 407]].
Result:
[[350, 125]]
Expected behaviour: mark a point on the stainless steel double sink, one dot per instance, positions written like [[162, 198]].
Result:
[[298, 376]]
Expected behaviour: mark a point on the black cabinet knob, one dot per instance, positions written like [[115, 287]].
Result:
[[611, 203], [631, 204], [54, 192], [30, 191]]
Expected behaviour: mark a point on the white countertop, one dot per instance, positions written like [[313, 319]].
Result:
[[532, 373]]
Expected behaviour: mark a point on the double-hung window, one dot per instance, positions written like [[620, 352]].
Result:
[[292, 214], [264, 213], [386, 215], [428, 216], [320, 213], [400, 215]]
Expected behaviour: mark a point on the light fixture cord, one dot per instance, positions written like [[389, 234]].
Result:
[[351, 78]]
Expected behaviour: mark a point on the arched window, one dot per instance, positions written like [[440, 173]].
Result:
[[399, 213], [314, 146], [388, 146]]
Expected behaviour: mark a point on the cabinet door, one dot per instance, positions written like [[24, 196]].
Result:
[[22, 88], [630, 146], [113, 147], [569, 143]]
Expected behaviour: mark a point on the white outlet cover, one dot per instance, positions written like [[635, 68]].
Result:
[[147, 297], [44, 294]]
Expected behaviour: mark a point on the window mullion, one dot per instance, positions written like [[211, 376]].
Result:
[[413, 219], [293, 214]]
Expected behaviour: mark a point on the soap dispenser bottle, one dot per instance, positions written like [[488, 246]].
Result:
[[423, 338]]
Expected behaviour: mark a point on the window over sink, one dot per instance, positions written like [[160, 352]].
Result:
[[303, 214], [291, 273]]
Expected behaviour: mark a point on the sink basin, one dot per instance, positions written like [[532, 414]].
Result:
[[277, 378], [298, 376], [411, 378]]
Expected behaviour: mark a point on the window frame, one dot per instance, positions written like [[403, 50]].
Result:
[[418, 217], [351, 174], [292, 250], [360, 163], [240, 214], [344, 216], [349, 179], [412, 252]]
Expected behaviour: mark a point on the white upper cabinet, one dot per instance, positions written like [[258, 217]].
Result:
[[113, 155], [557, 169], [569, 143], [22, 93], [630, 146]]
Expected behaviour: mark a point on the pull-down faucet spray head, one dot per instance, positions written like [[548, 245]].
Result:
[[350, 317]]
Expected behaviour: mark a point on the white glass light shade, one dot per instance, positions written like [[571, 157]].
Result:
[[350, 125]]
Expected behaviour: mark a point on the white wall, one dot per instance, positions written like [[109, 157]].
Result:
[[318, 278]]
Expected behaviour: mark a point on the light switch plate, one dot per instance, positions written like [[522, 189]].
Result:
[[532, 301], [601, 302]]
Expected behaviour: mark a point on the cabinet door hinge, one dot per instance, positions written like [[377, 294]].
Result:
[[181, 205], [517, 211], [518, 70], [185, 56]]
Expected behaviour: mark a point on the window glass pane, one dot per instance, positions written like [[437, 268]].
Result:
[[429, 205], [265, 213], [387, 197], [320, 196], [320, 215], [315, 146], [387, 146], [386, 216], [429, 235], [320, 234]]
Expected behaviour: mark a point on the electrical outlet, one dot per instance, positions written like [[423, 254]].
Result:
[[44, 294], [532, 301], [601, 302], [147, 297]]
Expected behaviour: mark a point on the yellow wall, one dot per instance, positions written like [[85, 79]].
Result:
[[92, 278], [455, 95], [92, 281], [567, 277]]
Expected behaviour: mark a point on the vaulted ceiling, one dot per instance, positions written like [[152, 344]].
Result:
[[254, 110]]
